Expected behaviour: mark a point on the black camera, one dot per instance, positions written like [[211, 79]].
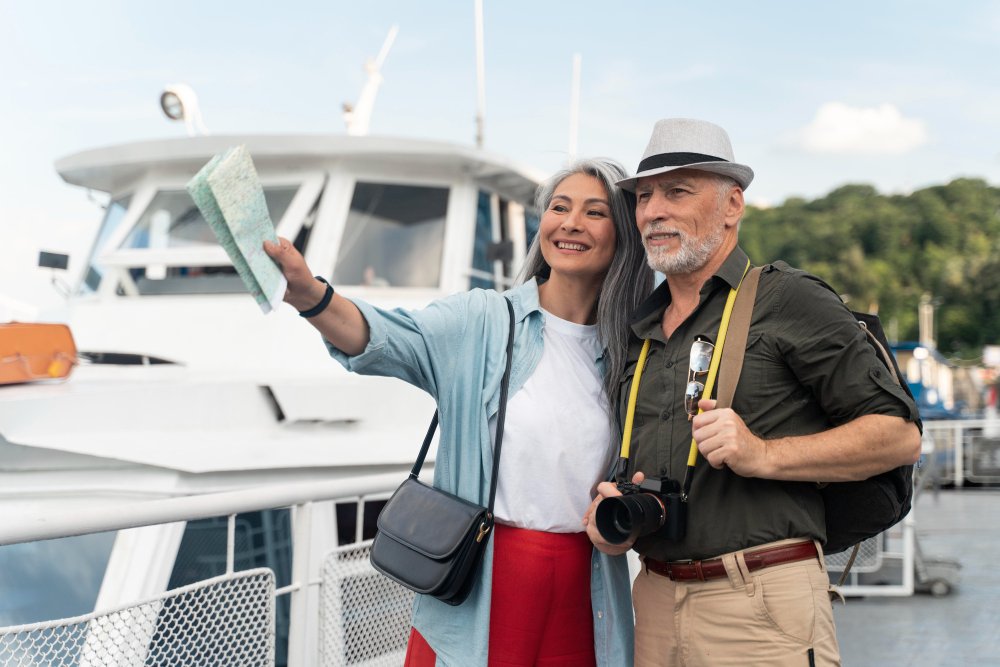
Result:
[[652, 507]]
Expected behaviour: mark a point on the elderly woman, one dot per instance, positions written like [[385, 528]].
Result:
[[544, 596]]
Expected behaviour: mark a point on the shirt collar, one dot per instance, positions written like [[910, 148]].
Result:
[[649, 314], [525, 300]]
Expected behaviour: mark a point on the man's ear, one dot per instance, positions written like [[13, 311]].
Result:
[[733, 206]]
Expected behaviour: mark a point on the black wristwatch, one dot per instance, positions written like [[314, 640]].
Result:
[[323, 303]]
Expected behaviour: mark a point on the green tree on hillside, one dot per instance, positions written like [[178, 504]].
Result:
[[882, 252]]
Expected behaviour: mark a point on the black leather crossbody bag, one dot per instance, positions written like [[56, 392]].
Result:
[[432, 541]]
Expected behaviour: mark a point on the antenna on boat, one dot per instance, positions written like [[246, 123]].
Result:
[[359, 116], [574, 107], [179, 102], [480, 76]]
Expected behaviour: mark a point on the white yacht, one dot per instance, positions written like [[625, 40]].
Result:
[[200, 448]]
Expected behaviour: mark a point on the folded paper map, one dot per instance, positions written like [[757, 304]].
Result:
[[228, 193]]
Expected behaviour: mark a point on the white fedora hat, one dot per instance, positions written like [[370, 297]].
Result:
[[685, 143]]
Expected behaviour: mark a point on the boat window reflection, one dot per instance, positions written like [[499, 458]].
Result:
[[393, 236], [59, 578]]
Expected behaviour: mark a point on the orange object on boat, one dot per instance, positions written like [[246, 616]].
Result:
[[35, 351]]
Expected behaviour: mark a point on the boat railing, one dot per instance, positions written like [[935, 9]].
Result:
[[960, 451], [44, 525], [224, 620], [341, 611]]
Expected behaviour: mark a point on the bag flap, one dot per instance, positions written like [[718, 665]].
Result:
[[428, 520]]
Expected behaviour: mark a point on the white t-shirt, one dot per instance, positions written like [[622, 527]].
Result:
[[557, 441]]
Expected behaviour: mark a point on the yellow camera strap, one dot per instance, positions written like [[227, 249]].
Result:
[[632, 395], [713, 370]]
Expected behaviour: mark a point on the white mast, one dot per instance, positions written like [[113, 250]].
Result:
[[574, 108], [359, 116], [480, 76]]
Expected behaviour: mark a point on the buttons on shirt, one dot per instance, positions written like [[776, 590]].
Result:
[[665, 415]]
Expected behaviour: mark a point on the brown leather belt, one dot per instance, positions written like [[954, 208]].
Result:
[[714, 568]]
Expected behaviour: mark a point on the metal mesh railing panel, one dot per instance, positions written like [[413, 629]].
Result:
[[869, 557], [984, 459], [227, 620], [364, 617]]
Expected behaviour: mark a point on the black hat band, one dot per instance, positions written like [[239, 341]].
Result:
[[676, 160]]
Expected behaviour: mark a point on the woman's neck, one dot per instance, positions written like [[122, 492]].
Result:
[[570, 299]]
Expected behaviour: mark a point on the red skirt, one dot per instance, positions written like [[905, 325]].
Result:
[[540, 612]]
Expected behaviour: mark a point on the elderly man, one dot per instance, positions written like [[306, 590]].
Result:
[[745, 583]]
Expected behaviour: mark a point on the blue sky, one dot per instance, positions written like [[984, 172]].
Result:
[[896, 94]]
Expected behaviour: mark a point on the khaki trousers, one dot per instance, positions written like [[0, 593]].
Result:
[[776, 616]]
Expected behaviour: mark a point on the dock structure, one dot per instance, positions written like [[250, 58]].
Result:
[[926, 631]]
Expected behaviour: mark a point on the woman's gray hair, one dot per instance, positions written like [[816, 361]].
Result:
[[629, 279]]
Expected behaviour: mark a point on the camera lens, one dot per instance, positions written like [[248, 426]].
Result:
[[630, 516]]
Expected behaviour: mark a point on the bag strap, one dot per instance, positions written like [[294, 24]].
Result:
[[739, 329], [501, 414], [419, 463], [502, 410]]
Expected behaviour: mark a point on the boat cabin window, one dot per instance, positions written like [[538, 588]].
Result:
[[184, 255], [59, 578], [494, 236], [173, 221], [113, 217], [532, 221], [393, 236]]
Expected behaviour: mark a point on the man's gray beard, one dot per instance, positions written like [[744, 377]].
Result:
[[689, 257]]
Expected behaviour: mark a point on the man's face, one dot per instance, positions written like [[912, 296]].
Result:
[[684, 217]]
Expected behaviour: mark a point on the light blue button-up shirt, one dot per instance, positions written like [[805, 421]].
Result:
[[455, 349]]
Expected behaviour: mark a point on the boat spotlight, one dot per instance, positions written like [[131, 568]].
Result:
[[179, 102]]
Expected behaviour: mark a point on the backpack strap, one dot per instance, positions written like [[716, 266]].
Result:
[[736, 346], [732, 361]]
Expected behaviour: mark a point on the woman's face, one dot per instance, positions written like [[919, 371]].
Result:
[[577, 232]]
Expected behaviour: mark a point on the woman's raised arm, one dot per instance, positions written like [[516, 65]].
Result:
[[340, 321]]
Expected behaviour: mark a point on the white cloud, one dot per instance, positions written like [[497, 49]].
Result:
[[881, 130]]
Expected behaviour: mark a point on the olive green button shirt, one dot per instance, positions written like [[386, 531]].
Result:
[[808, 368]]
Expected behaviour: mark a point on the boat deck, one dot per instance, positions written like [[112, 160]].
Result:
[[962, 628]]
